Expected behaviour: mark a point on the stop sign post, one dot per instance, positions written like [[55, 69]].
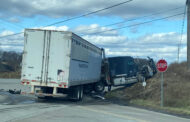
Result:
[[162, 67]]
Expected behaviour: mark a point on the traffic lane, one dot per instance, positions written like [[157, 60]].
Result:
[[92, 106], [100, 111], [59, 110], [16, 112], [139, 114], [78, 114]]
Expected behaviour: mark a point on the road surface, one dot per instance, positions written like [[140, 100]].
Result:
[[7, 84], [29, 109]]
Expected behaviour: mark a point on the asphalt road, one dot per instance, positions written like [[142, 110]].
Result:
[[29, 109], [7, 84]]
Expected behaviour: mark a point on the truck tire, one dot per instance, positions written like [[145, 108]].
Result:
[[77, 93], [74, 93], [81, 93], [99, 87]]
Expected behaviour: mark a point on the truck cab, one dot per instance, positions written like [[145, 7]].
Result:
[[122, 70]]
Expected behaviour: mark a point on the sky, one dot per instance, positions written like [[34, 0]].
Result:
[[138, 29]]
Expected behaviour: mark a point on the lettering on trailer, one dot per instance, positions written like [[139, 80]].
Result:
[[86, 46], [83, 65]]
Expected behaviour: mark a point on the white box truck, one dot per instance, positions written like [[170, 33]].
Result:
[[60, 62], [56, 63]]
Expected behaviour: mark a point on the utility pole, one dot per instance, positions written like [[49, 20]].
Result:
[[188, 34]]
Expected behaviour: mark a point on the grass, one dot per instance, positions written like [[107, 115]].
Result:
[[176, 91], [151, 104], [10, 74]]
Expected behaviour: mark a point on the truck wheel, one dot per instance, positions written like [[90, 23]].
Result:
[[77, 93], [99, 87], [74, 93], [81, 92]]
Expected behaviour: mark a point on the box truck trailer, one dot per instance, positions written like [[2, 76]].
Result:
[[60, 62]]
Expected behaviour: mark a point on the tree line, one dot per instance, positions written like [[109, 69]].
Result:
[[10, 61]]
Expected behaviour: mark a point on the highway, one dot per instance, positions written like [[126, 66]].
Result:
[[26, 108]]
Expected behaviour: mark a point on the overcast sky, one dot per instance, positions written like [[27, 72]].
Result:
[[158, 39]]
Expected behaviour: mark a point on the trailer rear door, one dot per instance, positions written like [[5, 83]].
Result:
[[33, 55], [46, 56]]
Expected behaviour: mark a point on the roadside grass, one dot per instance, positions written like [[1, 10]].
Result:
[[153, 105], [176, 91], [10, 74]]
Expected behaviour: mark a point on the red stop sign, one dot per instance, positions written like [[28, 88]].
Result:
[[162, 65]]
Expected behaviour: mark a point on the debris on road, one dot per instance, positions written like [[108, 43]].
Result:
[[14, 91]]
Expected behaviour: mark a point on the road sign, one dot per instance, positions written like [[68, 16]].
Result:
[[162, 65]]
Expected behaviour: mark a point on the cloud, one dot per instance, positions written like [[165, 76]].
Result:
[[6, 32], [13, 43], [59, 28], [14, 20], [106, 41], [157, 45], [16, 42], [69, 8], [94, 29]]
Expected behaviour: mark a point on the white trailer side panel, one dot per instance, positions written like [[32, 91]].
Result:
[[85, 65]]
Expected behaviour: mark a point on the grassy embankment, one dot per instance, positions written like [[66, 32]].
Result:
[[176, 91], [13, 75]]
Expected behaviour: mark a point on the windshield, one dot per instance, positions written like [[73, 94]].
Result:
[[120, 65]]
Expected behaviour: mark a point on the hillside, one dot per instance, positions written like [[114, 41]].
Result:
[[10, 64], [176, 90]]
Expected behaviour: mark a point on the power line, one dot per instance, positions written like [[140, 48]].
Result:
[[112, 29], [83, 15], [115, 5], [135, 24], [127, 20], [11, 35], [13, 25]]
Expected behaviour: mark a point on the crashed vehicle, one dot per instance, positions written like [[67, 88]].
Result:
[[147, 67], [64, 63], [125, 70]]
